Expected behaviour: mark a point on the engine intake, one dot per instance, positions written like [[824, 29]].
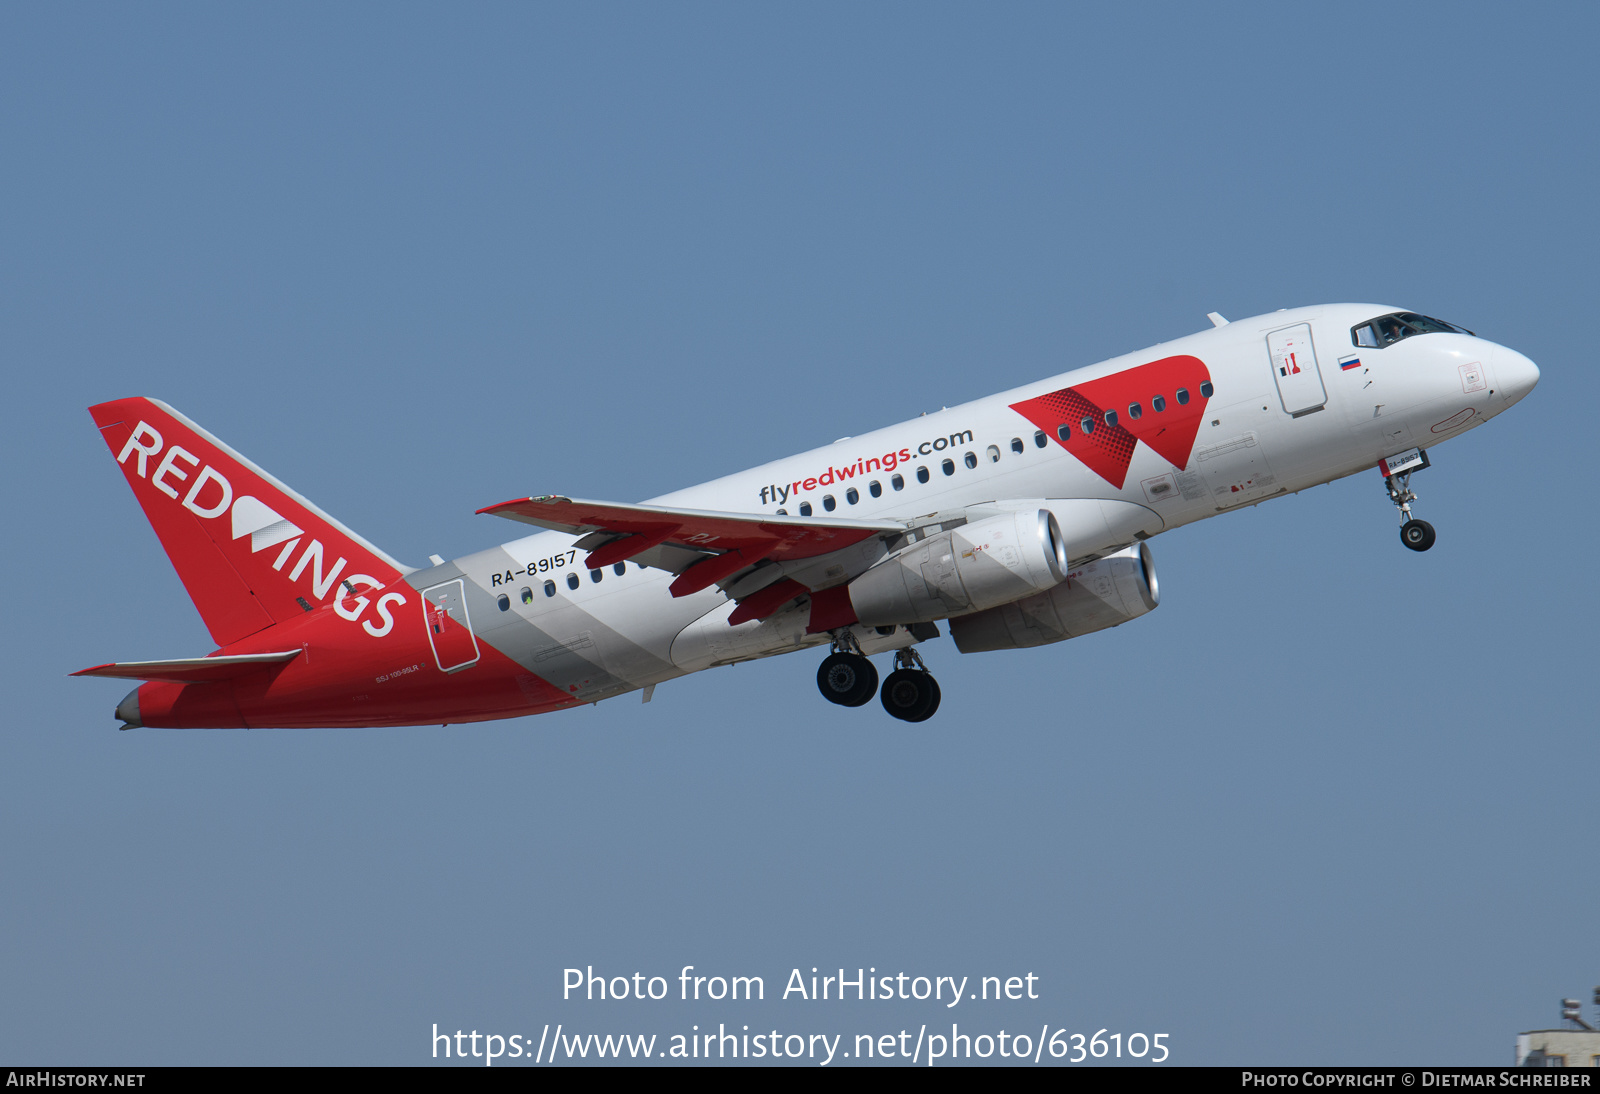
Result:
[[979, 565], [1104, 593]]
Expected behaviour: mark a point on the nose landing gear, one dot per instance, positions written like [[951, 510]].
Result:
[[1415, 534]]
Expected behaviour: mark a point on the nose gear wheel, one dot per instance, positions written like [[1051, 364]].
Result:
[[1415, 534]]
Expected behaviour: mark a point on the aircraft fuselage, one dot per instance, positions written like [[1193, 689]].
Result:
[[1117, 452]]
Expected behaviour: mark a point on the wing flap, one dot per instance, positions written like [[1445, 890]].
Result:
[[759, 536], [191, 670], [723, 545]]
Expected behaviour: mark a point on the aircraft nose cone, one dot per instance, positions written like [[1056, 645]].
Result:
[[1515, 373]]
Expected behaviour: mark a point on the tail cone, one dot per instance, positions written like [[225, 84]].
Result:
[[128, 710]]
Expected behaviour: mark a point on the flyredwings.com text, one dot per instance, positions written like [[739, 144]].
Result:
[[919, 1047], [862, 467]]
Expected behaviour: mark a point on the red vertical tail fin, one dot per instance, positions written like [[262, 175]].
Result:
[[250, 551]]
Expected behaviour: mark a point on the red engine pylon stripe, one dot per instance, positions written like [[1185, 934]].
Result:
[[761, 604], [831, 609]]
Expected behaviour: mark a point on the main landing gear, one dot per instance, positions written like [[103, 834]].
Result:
[[1415, 534], [910, 693], [846, 677]]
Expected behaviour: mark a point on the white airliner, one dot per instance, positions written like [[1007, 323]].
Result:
[[1016, 520]]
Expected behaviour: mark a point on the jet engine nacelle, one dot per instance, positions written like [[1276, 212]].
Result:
[[978, 565], [1101, 594]]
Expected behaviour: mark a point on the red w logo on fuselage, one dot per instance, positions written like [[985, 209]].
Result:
[[1159, 403]]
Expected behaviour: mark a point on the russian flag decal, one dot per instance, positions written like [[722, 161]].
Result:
[[1348, 363]]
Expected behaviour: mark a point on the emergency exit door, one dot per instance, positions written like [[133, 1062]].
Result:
[[1294, 369], [450, 634]]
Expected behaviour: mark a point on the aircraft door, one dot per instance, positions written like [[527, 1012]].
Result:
[[444, 609], [1294, 370]]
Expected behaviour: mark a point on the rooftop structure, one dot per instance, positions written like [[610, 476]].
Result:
[[1575, 1045]]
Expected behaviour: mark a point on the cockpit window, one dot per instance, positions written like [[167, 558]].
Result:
[[1386, 330]]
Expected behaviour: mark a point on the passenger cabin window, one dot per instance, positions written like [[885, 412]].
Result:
[[1087, 425], [897, 482], [572, 581], [828, 503], [783, 512], [1063, 431], [994, 453], [1183, 396], [1158, 404], [805, 509], [620, 568], [1386, 330], [1206, 390], [1111, 419], [875, 488], [1040, 440], [549, 588], [922, 474], [948, 466], [1135, 411], [852, 496], [596, 575], [504, 601], [1016, 445], [527, 595], [971, 459]]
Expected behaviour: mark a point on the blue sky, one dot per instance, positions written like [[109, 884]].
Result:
[[1328, 804]]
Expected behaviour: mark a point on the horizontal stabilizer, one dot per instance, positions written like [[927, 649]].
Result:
[[192, 670]]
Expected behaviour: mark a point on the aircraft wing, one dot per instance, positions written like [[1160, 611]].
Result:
[[726, 542]]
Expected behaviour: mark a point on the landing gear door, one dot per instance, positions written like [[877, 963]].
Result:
[[444, 609], [1294, 369]]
